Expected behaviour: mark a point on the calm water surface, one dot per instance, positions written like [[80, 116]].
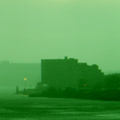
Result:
[[21, 107]]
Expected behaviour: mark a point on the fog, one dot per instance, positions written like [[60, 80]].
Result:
[[31, 30]]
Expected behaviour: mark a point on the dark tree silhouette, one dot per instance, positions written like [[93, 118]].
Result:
[[98, 85], [112, 82], [82, 83]]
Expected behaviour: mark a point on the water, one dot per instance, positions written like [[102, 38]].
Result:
[[21, 107]]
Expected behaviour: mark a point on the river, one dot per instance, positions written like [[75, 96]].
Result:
[[22, 107]]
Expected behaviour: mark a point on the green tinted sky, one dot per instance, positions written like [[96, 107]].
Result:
[[88, 30]]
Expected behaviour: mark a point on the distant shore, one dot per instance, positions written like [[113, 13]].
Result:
[[105, 95]]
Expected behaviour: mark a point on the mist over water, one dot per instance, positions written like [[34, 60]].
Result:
[[32, 30], [7, 89], [7, 92], [22, 107]]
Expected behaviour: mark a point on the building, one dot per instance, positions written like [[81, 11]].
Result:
[[90, 73], [58, 72], [62, 73]]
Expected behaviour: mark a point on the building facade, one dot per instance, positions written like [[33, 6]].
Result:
[[62, 73], [58, 72]]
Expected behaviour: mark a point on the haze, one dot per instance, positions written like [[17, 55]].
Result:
[[87, 30]]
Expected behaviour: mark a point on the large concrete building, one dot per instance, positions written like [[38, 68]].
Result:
[[62, 73], [58, 72]]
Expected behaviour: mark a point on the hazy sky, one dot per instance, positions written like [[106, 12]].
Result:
[[88, 30]]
